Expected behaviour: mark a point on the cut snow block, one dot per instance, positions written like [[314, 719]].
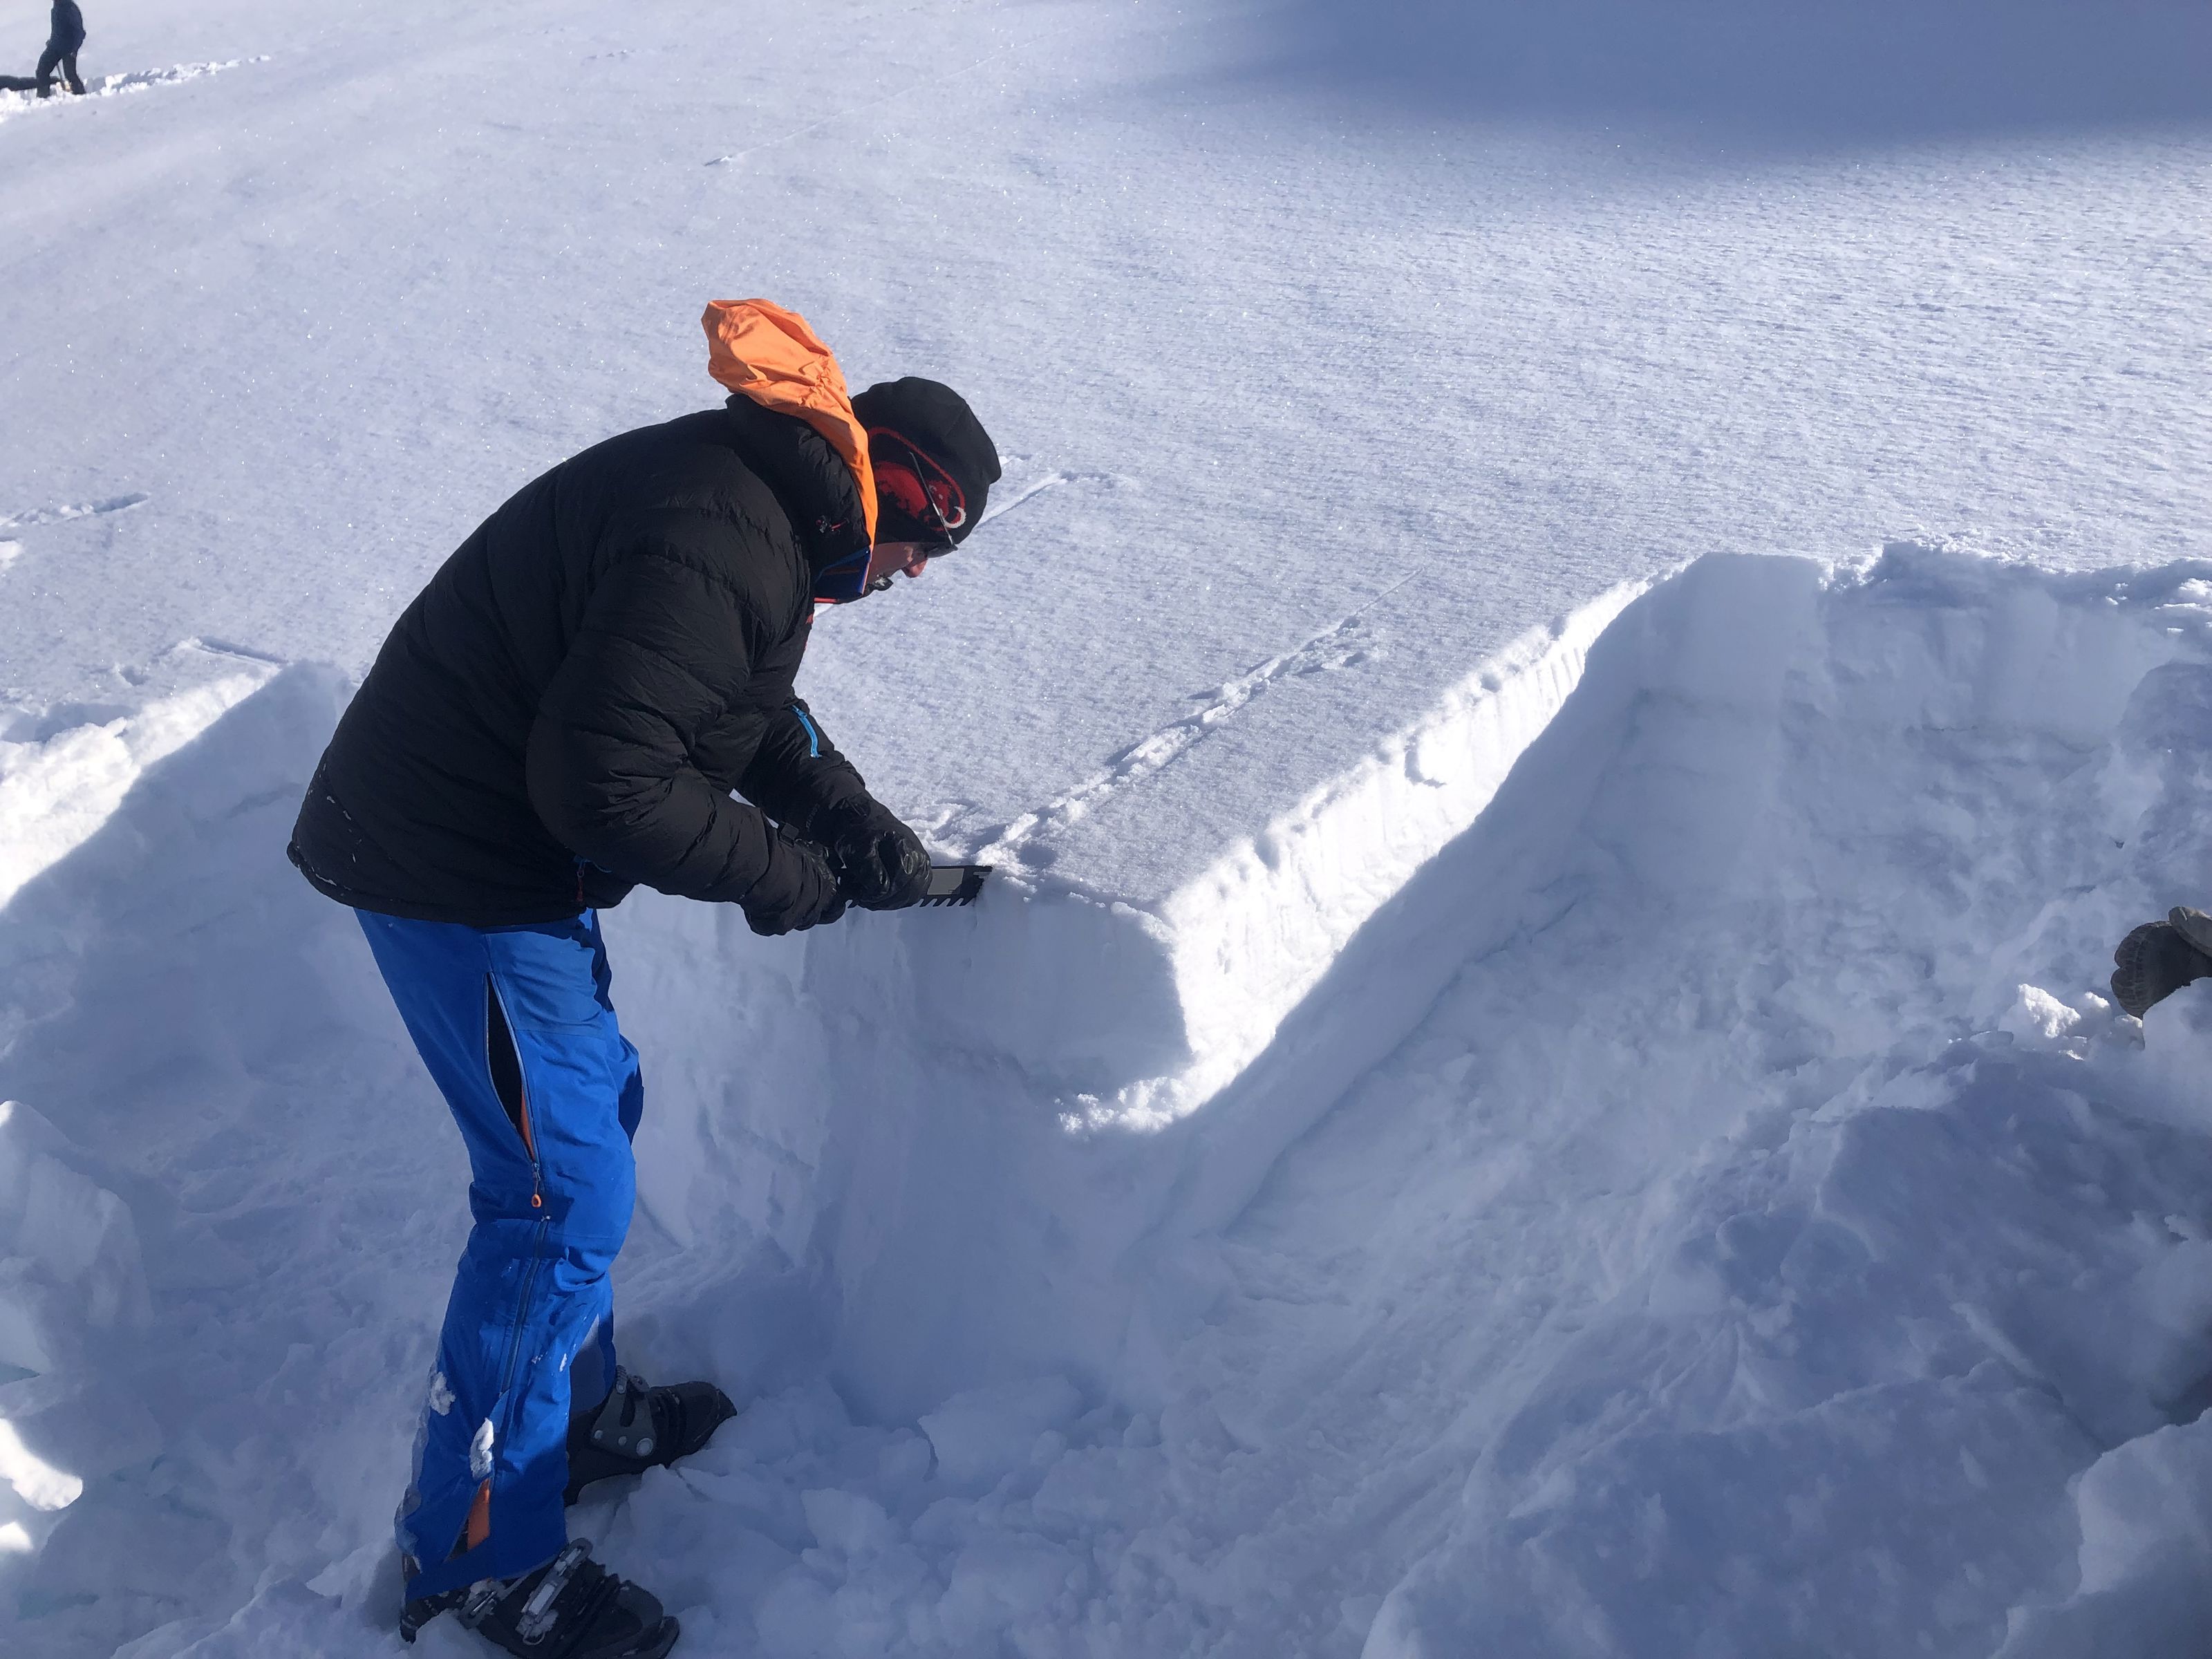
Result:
[[70, 1260], [1135, 1003], [1079, 992]]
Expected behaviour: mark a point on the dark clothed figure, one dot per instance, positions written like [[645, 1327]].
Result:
[[564, 710], [62, 41]]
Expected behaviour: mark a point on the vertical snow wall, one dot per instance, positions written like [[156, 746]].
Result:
[[978, 1137], [925, 1152]]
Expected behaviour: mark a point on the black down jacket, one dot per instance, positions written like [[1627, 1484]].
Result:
[[66, 31], [562, 712]]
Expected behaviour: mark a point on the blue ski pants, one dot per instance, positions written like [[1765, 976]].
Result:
[[516, 1027]]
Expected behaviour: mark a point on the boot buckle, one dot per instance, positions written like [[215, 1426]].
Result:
[[537, 1615]]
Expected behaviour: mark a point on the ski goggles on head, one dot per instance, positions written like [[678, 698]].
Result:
[[915, 486], [922, 495]]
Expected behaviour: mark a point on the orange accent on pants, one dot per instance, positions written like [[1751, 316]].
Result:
[[479, 1525]]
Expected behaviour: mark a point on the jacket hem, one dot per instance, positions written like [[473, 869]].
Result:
[[514, 915]]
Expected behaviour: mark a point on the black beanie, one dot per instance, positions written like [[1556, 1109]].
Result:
[[936, 420]]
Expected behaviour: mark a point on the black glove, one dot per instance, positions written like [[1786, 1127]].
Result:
[[797, 891], [881, 864], [2159, 957]]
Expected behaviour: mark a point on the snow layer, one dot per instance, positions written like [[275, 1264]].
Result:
[[1708, 1207]]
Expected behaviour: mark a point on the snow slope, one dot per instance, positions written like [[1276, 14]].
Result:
[[1521, 1089]]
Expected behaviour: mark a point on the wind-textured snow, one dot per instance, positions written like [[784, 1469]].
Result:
[[1594, 628]]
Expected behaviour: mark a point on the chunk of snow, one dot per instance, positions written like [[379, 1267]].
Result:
[[55, 792], [69, 1262]]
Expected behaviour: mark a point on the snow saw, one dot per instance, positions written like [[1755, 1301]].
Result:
[[956, 883]]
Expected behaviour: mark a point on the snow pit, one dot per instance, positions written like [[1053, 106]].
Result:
[[111, 86], [1642, 1164]]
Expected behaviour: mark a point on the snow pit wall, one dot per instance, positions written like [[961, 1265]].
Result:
[[905, 1151], [1134, 1017], [983, 1215]]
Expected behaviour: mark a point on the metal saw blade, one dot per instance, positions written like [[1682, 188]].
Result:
[[956, 883]]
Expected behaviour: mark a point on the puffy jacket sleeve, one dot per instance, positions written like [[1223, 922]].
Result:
[[661, 651], [796, 775]]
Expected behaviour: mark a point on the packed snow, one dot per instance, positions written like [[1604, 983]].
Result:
[[1576, 672]]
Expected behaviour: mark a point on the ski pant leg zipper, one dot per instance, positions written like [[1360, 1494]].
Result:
[[477, 1530], [522, 1303], [495, 1005]]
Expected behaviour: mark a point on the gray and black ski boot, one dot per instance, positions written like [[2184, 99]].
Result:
[[642, 1427], [2159, 957], [572, 1607]]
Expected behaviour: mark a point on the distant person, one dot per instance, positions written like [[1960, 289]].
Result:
[[62, 41], [2158, 958], [564, 712]]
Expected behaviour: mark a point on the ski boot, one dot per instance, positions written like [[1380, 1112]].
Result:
[[572, 1607], [641, 1428], [2159, 957]]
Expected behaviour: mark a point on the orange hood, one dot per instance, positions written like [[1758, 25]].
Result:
[[770, 355]]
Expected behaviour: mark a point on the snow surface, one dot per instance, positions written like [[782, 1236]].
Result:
[[1591, 634]]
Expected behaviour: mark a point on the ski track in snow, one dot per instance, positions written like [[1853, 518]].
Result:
[[41, 515], [1030, 491], [1337, 646]]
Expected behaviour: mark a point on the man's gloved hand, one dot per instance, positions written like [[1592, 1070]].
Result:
[[881, 864], [2159, 957], [797, 891]]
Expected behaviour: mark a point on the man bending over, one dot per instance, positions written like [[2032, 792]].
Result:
[[562, 712]]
